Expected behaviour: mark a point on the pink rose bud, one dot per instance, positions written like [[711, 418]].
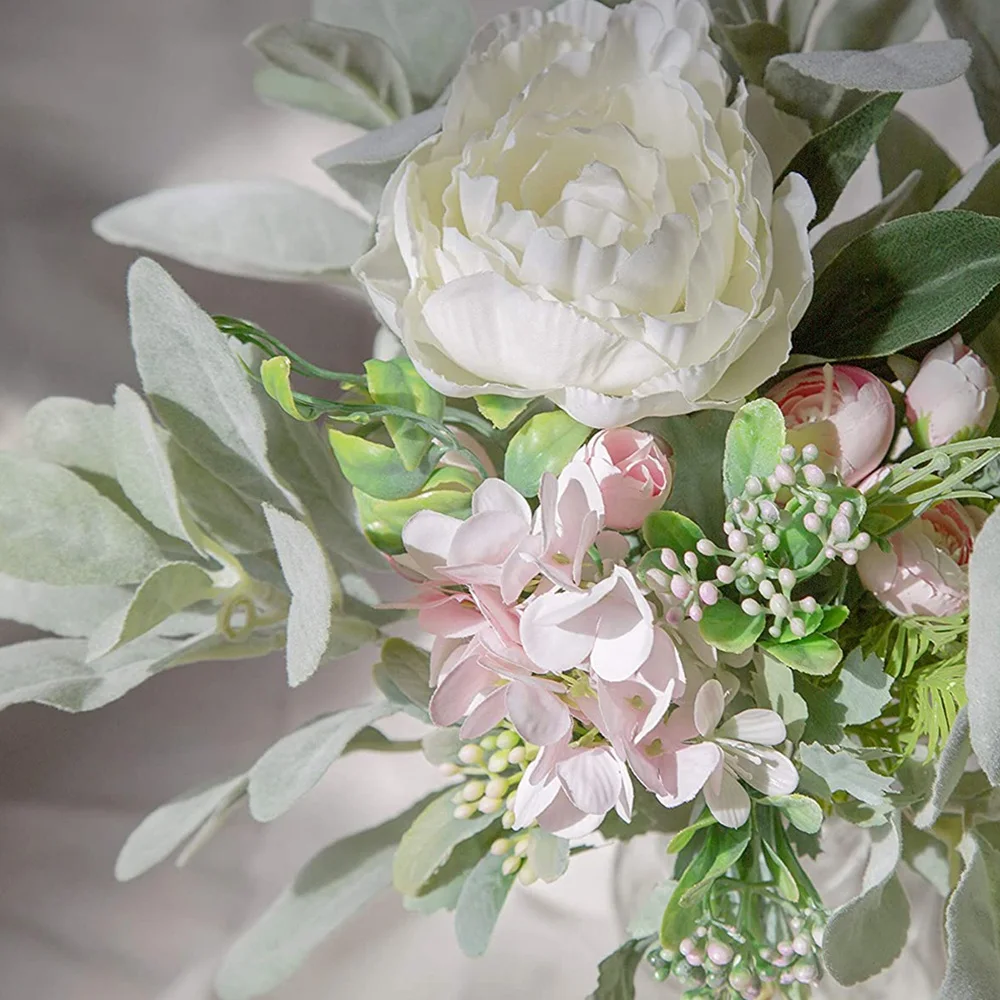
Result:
[[952, 397], [925, 572], [634, 474], [845, 411]]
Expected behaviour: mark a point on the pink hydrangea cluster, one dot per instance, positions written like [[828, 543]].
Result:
[[537, 619]]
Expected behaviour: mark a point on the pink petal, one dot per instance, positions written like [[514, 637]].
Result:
[[728, 801], [538, 715], [625, 632], [496, 495], [486, 715], [591, 779], [535, 793], [688, 769], [427, 537], [708, 707], [454, 696], [564, 819], [755, 725], [550, 636], [484, 541]]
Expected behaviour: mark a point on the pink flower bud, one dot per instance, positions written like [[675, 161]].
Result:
[[953, 396], [846, 412], [925, 571], [633, 470]]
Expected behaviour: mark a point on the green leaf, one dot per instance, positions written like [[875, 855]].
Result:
[[795, 16], [332, 887], [296, 763], [872, 24], [912, 66], [64, 611], [829, 160], [171, 826], [774, 686], [753, 445], [143, 469], [545, 443], [666, 529], [645, 922], [461, 861], [616, 974], [269, 229], [698, 442], [978, 21], [682, 839], [55, 528], [754, 45], [869, 933], [363, 167], [429, 842], [448, 491], [501, 411], [948, 772], [678, 921], [441, 745], [374, 469], [197, 386], [479, 904], [428, 39], [397, 383], [984, 649], [929, 857], [978, 190], [548, 854], [275, 376], [902, 284], [905, 146], [783, 878], [728, 847], [801, 811], [403, 676], [898, 202], [863, 688], [170, 588], [725, 626], [972, 923], [842, 771], [73, 433], [362, 71]]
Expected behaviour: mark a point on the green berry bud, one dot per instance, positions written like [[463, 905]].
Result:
[[465, 811], [497, 762], [507, 740], [510, 866], [500, 847], [473, 791]]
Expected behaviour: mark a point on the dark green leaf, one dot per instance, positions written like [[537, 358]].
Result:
[[616, 974], [978, 22], [666, 529], [795, 17], [754, 45], [905, 146], [872, 24]]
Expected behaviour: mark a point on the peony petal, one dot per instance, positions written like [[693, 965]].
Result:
[[728, 801], [538, 715], [755, 725]]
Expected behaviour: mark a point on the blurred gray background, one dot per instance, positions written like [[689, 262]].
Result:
[[101, 100]]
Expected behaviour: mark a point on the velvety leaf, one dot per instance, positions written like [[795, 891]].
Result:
[[869, 933], [972, 924], [902, 284], [296, 763], [441, 745], [363, 167], [546, 443], [829, 160], [403, 676], [928, 857], [479, 904], [753, 445], [795, 16], [903, 147], [270, 229], [774, 687], [429, 38], [57, 529], [429, 841], [170, 588], [332, 887], [171, 826], [616, 974], [842, 771], [898, 202], [978, 190], [360, 68], [984, 649], [948, 771], [862, 687], [71, 432], [801, 811], [64, 611], [548, 854], [978, 21], [872, 24]]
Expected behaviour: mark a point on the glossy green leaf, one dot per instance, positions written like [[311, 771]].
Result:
[[501, 411], [682, 839], [275, 375], [783, 879], [545, 443], [397, 383], [801, 811], [829, 160], [666, 529], [753, 445], [57, 529], [817, 655], [728, 846], [901, 284], [725, 626], [296, 763], [171, 826], [616, 973], [374, 469]]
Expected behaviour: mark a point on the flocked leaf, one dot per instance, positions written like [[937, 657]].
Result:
[[62, 610], [403, 676], [905, 146], [978, 21], [480, 901], [71, 432], [948, 771], [842, 771], [872, 24]]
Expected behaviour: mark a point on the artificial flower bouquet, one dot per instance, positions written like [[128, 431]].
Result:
[[694, 510]]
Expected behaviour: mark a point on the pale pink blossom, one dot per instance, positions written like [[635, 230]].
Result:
[[693, 753], [609, 626], [925, 571], [633, 471], [845, 411], [570, 789], [953, 396]]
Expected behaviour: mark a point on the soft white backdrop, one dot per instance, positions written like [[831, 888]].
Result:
[[100, 101]]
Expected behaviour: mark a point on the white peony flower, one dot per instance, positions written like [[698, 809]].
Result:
[[594, 224]]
